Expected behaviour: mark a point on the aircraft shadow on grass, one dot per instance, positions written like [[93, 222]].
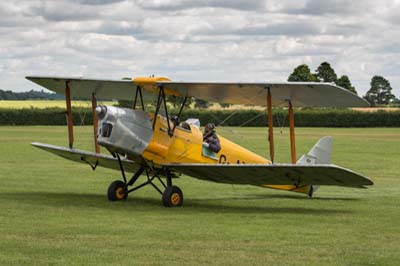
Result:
[[214, 205], [297, 197]]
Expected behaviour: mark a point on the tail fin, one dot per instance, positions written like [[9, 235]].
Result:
[[319, 154]]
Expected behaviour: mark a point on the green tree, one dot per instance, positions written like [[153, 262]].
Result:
[[380, 91], [326, 73], [201, 104], [344, 82], [302, 73], [176, 102], [126, 103], [29, 95], [224, 105]]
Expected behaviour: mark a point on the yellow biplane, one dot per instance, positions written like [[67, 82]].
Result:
[[158, 146]]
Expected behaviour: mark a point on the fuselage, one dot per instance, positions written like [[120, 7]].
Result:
[[186, 146], [136, 134]]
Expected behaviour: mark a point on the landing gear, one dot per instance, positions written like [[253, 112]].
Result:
[[117, 191], [171, 197]]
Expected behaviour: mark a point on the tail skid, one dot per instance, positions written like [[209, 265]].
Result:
[[319, 154]]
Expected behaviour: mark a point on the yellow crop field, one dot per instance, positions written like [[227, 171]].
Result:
[[47, 104]]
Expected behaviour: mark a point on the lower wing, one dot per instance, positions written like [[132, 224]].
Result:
[[91, 158], [250, 174], [274, 174]]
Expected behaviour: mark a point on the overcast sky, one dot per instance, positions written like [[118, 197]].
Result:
[[199, 40]]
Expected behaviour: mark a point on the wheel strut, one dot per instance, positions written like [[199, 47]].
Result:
[[172, 196]]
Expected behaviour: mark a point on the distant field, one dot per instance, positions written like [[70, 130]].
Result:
[[47, 104], [375, 109], [88, 104], [55, 212]]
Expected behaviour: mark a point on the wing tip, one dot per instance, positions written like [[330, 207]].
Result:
[[36, 144], [31, 78], [39, 144]]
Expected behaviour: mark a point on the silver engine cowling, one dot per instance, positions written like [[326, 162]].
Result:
[[123, 130]]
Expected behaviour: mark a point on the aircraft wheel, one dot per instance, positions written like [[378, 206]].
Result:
[[172, 197], [117, 191]]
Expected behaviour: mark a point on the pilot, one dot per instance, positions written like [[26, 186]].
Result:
[[175, 120], [177, 123], [210, 138]]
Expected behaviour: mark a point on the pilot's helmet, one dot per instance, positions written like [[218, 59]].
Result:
[[210, 127], [175, 119]]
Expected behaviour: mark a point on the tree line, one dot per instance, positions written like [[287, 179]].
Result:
[[380, 91], [29, 95]]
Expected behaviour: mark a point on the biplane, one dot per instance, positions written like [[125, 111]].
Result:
[[160, 148]]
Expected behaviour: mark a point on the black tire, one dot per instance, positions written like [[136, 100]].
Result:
[[172, 197], [117, 191]]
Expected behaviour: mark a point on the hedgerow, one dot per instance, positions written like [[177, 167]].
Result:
[[303, 117]]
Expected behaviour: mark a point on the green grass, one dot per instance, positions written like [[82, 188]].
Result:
[[55, 212]]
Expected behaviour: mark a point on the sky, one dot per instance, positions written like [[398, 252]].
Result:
[[198, 40]]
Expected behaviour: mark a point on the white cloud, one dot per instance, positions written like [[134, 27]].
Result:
[[198, 40], [189, 4]]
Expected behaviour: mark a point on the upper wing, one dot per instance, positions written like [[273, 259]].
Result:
[[89, 157], [85, 88], [301, 94], [274, 174]]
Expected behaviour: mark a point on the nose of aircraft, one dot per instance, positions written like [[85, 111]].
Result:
[[101, 111], [123, 130]]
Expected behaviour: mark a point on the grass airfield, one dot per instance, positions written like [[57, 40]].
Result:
[[56, 212]]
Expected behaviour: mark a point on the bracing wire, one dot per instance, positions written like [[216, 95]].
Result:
[[281, 124], [237, 134], [82, 118]]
